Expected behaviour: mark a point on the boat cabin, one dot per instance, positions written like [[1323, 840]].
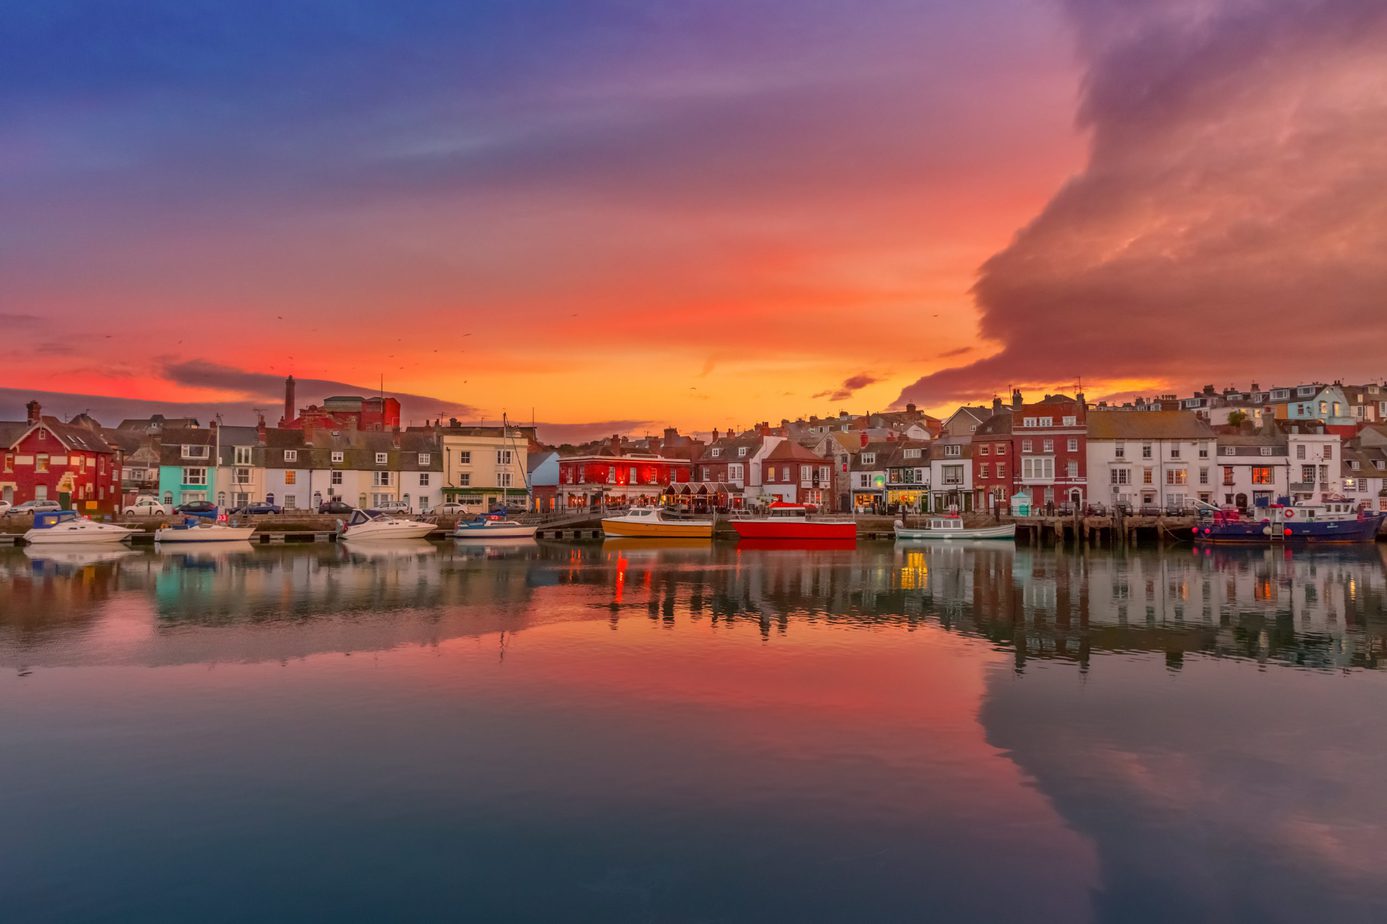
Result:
[[945, 524], [48, 519]]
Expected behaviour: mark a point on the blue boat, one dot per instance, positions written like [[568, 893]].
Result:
[[1335, 520]]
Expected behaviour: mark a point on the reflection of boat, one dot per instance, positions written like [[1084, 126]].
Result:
[[193, 551], [953, 528], [366, 547], [1332, 521], [80, 556], [801, 545], [492, 526], [656, 523], [633, 544], [196, 529], [383, 527], [491, 547], [65, 527], [793, 521]]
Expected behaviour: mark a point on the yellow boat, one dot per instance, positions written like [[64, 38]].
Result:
[[656, 523]]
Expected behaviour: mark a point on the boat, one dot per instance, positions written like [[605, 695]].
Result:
[[493, 526], [794, 521], [656, 523], [197, 529], [65, 527], [950, 528], [1335, 520], [384, 527]]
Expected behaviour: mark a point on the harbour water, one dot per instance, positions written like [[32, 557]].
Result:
[[693, 733]]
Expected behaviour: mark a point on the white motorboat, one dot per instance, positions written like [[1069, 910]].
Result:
[[656, 523], [197, 529], [953, 528], [493, 526], [383, 526], [65, 527]]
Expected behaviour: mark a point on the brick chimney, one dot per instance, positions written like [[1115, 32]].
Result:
[[35, 412], [864, 439], [289, 399], [996, 404], [260, 429], [715, 435], [1016, 400]]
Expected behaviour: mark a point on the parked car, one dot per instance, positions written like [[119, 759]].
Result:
[[393, 508], [335, 505], [197, 509], [259, 508], [29, 508], [451, 509], [146, 505], [4, 505]]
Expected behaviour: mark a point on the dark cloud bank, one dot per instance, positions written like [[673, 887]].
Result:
[[1231, 221]]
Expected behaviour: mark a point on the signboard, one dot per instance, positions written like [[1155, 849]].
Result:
[[65, 483]]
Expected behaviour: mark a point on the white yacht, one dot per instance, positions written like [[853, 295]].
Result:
[[493, 526], [65, 527], [197, 529], [953, 528], [384, 526]]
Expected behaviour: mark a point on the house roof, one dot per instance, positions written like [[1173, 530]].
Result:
[[999, 424], [1147, 425], [790, 451]]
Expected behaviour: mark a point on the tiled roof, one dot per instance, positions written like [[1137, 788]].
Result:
[[1148, 425]]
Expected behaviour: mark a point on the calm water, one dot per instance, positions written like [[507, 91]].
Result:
[[693, 734]]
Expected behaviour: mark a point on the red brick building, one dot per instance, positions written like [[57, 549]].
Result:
[[797, 475], [994, 462], [592, 481], [340, 412], [46, 459], [1050, 446]]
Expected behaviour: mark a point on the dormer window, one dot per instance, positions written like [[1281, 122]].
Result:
[[381, 458], [1266, 450], [1071, 421], [869, 458], [1028, 422], [741, 452], [955, 450], [195, 452], [337, 458], [43, 434], [425, 458], [291, 455], [717, 451]]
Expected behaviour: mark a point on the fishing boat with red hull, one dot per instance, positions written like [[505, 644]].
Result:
[[1335, 520], [784, 521]]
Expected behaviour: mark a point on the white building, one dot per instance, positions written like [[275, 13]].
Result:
[[1163, 459]]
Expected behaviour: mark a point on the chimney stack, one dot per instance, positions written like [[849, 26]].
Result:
[[35, 412], [289, 399], [260, 429], [996, 404], [1016, 401], [715, 435], [864, 439]]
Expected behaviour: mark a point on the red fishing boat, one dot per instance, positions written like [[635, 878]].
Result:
[[794, 521]]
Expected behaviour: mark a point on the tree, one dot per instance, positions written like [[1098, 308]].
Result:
[[1237, 418]]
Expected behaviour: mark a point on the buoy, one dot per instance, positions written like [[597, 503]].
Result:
[[1287, 531], [1288, 514]]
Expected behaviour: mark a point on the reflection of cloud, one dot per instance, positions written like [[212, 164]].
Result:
[[1235, 189], [849, 386]]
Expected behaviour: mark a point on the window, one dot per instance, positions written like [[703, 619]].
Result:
[[1261, 474], [423, 479], [1070, 421], [868, 458], [194, 476], [41, 462], [1025, 445], [241, 455], [1176, 476], [240, 476], [1028, 422], [1071, 469], [1001, 470], [1146, 451], [1038, 468], [337, 458], [982, 450], [379, 479], [1047, 445], [43, 434], [1148, 476], [1073, 445], [1120, 475], [464, 479], [717, 451], [1203, 450], [1001, 449], [1120, 451], [1266, 450], [1227, 474], [955, 451], [382, 458], [9, 461], [806, 473], [291, 455], [336, 478], [912, 453], [1175, 451], [770, 472], [631, 475], [741, 452], [291, 476], [1047, 421], [195, 452], [503, 457], [734, 472], [982, 470], [503, 479], [1300, 451], [1328, 451], [425, 458], [464, 457], [1229, 451], [290, 502], [707, 473], [1204, 475]]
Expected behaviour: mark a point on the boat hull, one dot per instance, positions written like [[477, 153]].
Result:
[[617, 528], [200, 534], [69, 537], [1322, 531], [388, 533], [787, 530], [495, 532], [1005, 532]]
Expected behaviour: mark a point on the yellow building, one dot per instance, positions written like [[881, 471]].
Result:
[[484, 467]]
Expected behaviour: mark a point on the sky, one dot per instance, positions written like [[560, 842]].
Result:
[[614, 215]]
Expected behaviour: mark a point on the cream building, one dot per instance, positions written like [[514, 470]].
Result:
[[485, 466]]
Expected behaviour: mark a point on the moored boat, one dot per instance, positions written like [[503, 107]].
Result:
[[656, 523], [494, 526], [794, 521], [1336, 520], [196, 529], [383, 527], [952, 528], [65, 527]]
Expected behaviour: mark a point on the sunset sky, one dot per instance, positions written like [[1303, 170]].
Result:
[[615, 215]]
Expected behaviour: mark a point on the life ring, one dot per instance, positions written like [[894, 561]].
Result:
[[1288, 514]]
